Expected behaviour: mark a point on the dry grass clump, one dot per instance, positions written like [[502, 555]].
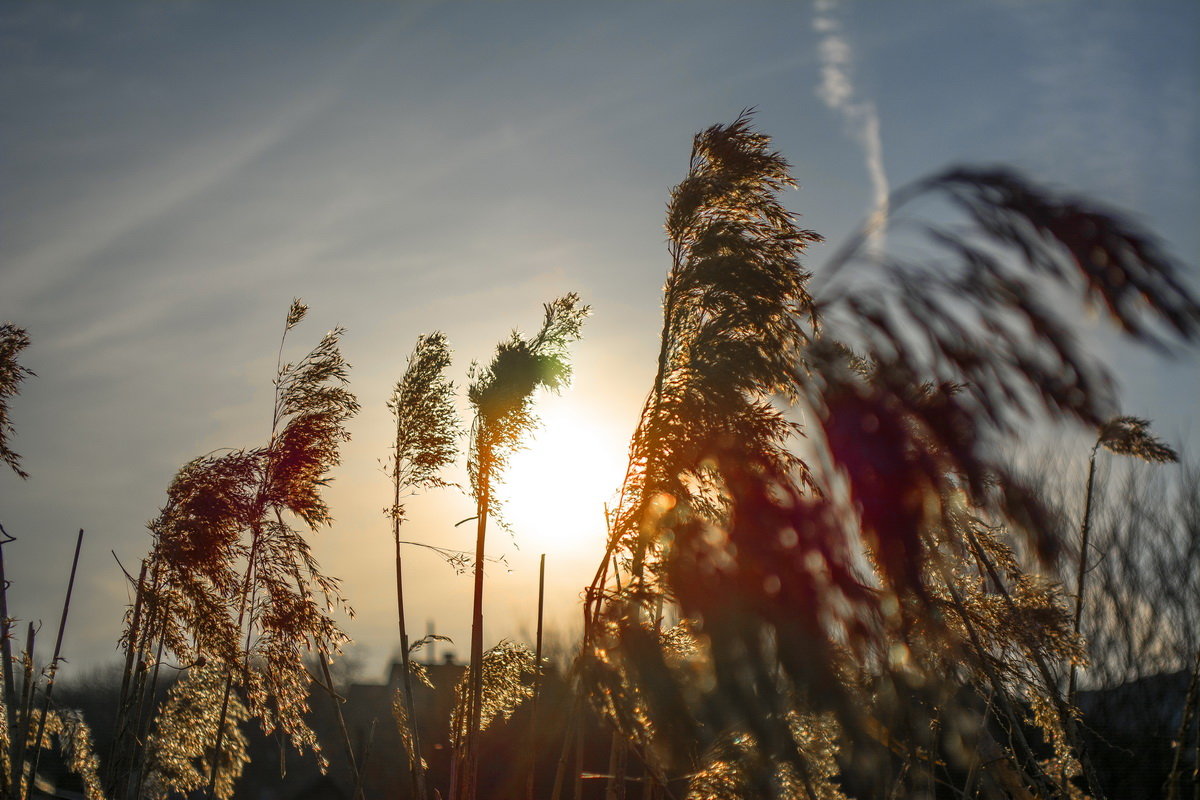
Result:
[[180, 748], [230, 580]]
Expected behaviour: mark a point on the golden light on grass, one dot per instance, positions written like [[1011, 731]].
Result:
[[557, 486]]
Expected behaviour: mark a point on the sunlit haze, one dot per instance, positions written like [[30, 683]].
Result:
[[558, 486]]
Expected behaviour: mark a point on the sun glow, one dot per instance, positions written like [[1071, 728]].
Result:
[[556, 488]]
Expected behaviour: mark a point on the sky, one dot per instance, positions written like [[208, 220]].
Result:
[[173, 174]]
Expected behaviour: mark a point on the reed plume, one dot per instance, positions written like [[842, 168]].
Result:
[[507, 682], [427, 428], [74, 738], [230, 579], [502, 396], [874, 586], [12, 341], [180, 747], [736, 315]]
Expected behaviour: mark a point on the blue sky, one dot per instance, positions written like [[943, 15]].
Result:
[[171, 175]]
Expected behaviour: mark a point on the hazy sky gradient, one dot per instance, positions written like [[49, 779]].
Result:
[[171, 175]]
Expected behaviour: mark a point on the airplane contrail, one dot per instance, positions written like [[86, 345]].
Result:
[[837, 91]]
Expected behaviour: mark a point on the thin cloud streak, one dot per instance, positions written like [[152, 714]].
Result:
[[838, 93], [198, 167]]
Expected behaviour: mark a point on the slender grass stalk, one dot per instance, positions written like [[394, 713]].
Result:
[[617, 759], [7, 777], [25, 713], [1085, 530], [147, 711], [537, 680], [416, 769], [427, 427], [560, 771], [53, 669], [502, 396], [471, 755], [337, 701], [357, 790], [1128, 436], [244, 595], [132, 660]]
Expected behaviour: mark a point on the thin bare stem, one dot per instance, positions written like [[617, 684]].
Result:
[[10, 689], [537, 680], [62, 627]]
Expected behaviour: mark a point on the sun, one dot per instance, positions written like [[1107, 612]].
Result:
[[555, 489]]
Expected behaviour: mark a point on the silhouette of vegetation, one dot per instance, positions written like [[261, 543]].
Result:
[[873, 584], [502, 396], [12, 341], [1128, 436], [824, 577]]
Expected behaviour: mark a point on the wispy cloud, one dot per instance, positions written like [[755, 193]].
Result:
[[154, 187], [837, 91]]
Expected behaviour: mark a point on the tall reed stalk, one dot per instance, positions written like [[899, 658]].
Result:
[[48, 692], [1128, 436], [537, 680], [231, 581], [7, 775], [12, 341], [871, 592], [427, 427], [502, 397]]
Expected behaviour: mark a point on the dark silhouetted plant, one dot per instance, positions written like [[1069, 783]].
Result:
[[12, 341], [502, 397], [734, 324], [736, 315], [873, 585], [1127, 436]]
